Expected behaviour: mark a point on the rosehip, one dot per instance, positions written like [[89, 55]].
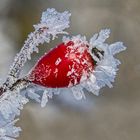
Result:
[[64, 66]]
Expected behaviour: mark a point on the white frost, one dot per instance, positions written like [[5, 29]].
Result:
[[10, 106], [44, 98]]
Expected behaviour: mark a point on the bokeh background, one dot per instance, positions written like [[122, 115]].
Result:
[[115, 114]]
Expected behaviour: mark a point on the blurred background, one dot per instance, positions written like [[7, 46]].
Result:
[[115, 114]]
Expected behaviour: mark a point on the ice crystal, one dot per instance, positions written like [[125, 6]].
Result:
[[44, 99], [31, 93], [78, 92], [54, 21], [10, 106], [106, 69]]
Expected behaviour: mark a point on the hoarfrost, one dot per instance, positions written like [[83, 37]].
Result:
[[10, 106], [44, 99], [33, 95], [78, 92], [107, 66]]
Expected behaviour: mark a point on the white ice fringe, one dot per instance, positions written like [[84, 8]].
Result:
[[105, 71], [106, 68]]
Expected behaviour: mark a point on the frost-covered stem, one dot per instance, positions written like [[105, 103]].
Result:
[[28, 48], [24, 54], [18, 85]]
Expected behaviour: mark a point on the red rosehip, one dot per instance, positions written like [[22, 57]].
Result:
[[64, 66]]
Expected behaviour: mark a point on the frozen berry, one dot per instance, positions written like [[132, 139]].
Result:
[[64, 66]]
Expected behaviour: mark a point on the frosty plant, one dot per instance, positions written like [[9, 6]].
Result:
[[75, 64]]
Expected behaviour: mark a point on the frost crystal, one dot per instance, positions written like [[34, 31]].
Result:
[[10, 106], [54, 21], [44, 98], [33, 95], [106, 68], [78, 92]]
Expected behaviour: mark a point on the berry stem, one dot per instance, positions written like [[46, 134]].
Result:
[[30, 45], [18, 85]]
